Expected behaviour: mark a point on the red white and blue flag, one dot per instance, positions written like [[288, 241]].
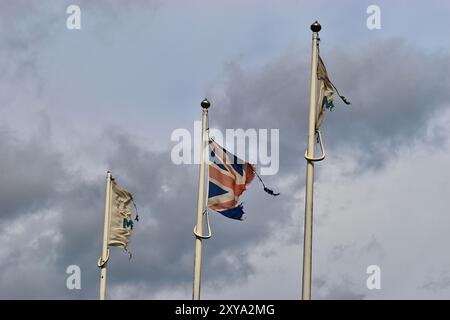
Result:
[[228, 179]]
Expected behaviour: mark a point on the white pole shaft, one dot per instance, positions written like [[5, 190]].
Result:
[[308, 226], [199, 226], [105, 237]]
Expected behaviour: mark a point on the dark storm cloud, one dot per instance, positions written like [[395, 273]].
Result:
[[393, 93], [167, 194], [52, 213], [48, 199], [162, 244], [394, 87], [31, 171], [159, 251], [166, 247]]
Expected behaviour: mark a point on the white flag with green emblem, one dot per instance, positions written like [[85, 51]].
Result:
[[326, 91], [121, 222], [325, 100]]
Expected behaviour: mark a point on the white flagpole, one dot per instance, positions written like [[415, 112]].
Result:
[[105, 251], [199, 226], [308, 227]]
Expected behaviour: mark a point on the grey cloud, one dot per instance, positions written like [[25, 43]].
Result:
[[162, 244], [387, 81], [338, 251], [31, 171], [25, 30], [343, 289], [52, 213], [373, 246], [168, 246], [340, 292], [440, 283], [28, 29]]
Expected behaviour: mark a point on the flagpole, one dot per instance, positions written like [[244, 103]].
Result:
[[308, 227], [199, 226], [105, 251]]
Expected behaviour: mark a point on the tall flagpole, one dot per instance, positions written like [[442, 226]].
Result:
[[307, 243], [199, 226], [105, 251]]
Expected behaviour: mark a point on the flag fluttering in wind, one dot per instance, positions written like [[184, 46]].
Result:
[[326, 91], [121, 222], [117, 225], [228, 179], [325, 100]]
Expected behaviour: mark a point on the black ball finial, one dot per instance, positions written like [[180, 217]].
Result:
[[316, 27], [205, 104]]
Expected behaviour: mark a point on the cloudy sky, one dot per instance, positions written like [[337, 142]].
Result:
[[75, 103]]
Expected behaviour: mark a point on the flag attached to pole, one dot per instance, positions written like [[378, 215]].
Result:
[[325, 100], [228, 179], [326, 91], [121, 221]]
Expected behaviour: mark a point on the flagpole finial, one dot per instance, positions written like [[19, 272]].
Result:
[[316, 27], [205, 104]]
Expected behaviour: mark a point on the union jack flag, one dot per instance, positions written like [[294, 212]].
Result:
[[228, 179]]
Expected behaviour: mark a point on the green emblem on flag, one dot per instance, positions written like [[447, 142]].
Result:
[[127, 223], [327, 104]]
